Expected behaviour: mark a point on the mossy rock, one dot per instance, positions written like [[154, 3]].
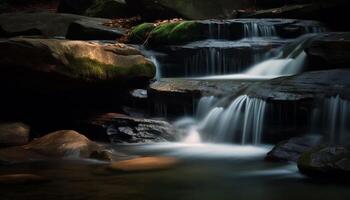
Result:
[[64, 64], [176, 33], [140, 33], [167, 33]]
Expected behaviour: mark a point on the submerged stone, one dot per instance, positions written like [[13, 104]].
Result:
[[144, 164]]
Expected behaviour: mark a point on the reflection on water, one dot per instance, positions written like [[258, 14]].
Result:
[[206, 171]]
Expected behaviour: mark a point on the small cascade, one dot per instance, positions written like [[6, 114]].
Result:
[[219, 30], [212, 57], [205, 104], [333, 120], [241, 121], [158, 68], [214, 61], [255, 29]]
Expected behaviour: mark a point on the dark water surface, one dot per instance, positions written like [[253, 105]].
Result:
[[205, 172]]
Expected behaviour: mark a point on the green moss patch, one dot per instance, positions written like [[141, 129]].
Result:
[[167, 33], [176, 33], [141, 32], [89, 69]]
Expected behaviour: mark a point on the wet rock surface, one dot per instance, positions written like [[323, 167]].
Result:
[[292, 149], [330, 162], [119, 128], [308, 85], [176, 97]]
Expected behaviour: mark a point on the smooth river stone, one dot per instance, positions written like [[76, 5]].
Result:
[[144, 164]]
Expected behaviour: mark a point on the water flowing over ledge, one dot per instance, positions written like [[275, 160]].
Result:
[[242, 121]]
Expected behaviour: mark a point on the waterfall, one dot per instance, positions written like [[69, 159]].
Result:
[[333, 120], [158, 68], [218, 30], [289, 62], [254, 29], [216, 60], [242, 121], [205, 104]]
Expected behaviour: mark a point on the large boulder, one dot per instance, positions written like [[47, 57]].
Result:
[[14, 134], [46, 81], [119, 128], [54, 25], [56, 145], [292, 149], [329, 51], [65, 64], [64, 143], [96, 8], [330, 162]]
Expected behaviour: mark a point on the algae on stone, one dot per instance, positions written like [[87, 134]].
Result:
[[140, 33]]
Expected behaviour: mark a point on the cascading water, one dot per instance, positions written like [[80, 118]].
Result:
[[289, 62], [254, 29], [157, 65], [332, 119], [241, 121], [205, 104]]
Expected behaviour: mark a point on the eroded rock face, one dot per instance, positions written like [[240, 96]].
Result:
[[331, 162], [46, 24], [292, 149], [119, 128], [14, 134]]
